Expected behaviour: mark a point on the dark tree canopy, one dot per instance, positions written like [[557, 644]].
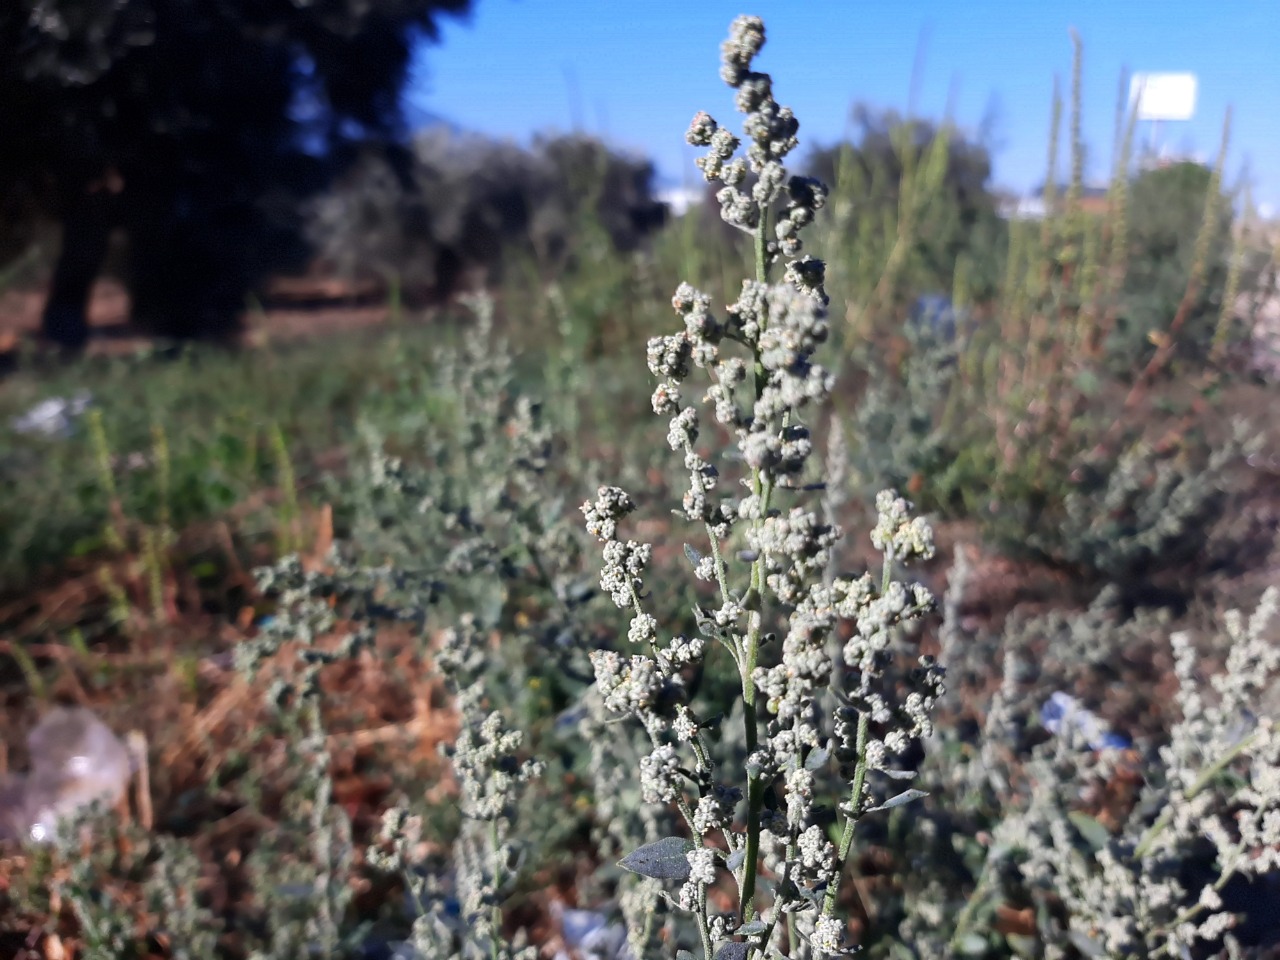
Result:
[[199, 127], [471, 205]]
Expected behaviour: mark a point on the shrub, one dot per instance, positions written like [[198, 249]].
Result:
[[461, 207]]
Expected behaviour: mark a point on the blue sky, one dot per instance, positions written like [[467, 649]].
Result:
[[635, 71]]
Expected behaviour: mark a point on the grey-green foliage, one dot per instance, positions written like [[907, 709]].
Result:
[[105, 925], [1044, 822], [900, 429], [1209, 813], [481, 871], [172, 892], [470, 509], [465, 530], [468, 519], [302, 871], [1152, 510]]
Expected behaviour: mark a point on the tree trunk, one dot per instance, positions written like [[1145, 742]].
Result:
[[86, 230]]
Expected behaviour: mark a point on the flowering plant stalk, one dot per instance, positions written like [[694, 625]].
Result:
[[768, 558]]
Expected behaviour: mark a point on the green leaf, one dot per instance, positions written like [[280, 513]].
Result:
[[816, 758], [899, 774], [1086, 945], [752, 928], [693, 556], [204, 571], [706, 625], [1087, 382], [972, 944], [661, 860], [1094, 833], [1022, 945], [906, 796]]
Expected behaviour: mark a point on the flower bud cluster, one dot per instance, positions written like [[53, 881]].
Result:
[[805, 196], [826, 936], [702, 873], [610, 506], [797, 547], [648, 687], [783, 326], [660, 775], [487, 764], [771, 129], [635, 685], [897, 533], [715, 809], [817, 856], [624, 563]]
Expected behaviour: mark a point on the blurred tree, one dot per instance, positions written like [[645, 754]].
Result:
[[470, 202], [867, 172], [1166, 210], [196, 127]]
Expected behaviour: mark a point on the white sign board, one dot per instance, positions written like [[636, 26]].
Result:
[[1163, 96]]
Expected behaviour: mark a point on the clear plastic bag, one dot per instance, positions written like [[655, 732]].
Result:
[[76, 761]]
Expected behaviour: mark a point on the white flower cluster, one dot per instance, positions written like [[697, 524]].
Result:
[[635, 686], [487, 764], [1221, 785]]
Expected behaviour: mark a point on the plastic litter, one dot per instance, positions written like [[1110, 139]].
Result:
[[54, 417], [589, 935], [76, 761], [1064, 716], [934, 314]]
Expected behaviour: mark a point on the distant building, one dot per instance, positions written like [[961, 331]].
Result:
[[680, 199], [1022, 208], [1093, 200]]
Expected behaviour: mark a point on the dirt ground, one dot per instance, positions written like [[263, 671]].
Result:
[[299, 308]]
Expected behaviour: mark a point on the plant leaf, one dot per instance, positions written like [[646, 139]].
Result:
[[752, 928], [899, 774], [1094, 833], [1087, 945], [906, 796], [661, 860], [693, 556], [816, 758], [734, 860]]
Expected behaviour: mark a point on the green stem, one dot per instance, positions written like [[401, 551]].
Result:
[[859, 773], [718, 560], [751, 653], [761, 243], [495, 917], [755, 785], [855, 801], [792, 944], [704, 929], [970, 906]]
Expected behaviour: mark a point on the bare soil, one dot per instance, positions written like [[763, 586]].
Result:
[[298, 308]]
